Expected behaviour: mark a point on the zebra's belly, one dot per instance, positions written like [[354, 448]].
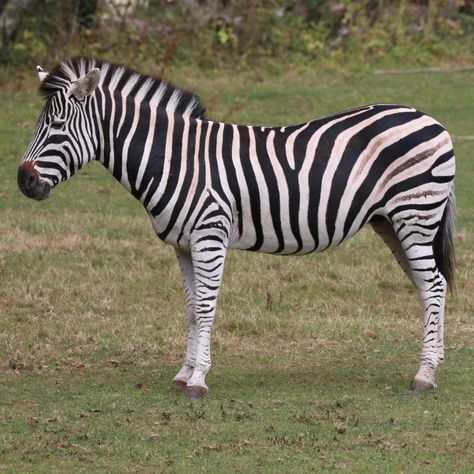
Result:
[[287, 241]]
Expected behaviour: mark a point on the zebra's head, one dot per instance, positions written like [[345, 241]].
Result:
[[66, 137]]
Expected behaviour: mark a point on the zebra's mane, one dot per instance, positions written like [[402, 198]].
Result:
[[117, 77]]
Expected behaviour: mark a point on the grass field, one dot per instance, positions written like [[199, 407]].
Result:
[[312, 356]]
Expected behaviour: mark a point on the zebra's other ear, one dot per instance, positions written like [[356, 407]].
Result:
[[86, 84], [42, 74]]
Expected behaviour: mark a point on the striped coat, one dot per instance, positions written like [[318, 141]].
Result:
[[209, 186]]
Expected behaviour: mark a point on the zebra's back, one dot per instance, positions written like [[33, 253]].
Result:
[[308, 187]]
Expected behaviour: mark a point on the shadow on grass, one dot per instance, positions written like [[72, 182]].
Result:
[[304, 373]]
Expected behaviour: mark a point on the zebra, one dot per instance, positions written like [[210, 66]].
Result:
[[210, 186]]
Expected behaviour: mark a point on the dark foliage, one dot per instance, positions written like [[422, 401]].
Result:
[[209, 33]]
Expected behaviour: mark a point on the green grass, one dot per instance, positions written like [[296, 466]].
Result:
[[312, 356]]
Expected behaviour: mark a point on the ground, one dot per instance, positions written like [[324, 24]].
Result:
[[313, 355]]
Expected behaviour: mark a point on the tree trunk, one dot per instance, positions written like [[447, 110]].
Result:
[[433, 13], [11, 13]]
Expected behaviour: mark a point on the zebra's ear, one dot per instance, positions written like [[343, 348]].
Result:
[[42, 74], [86, 84]]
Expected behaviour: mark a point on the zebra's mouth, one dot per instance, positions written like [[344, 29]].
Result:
[[32, 185]]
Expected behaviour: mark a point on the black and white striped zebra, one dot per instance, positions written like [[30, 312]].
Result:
[[210, 186]]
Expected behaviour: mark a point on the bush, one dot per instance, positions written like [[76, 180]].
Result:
[[236, 33]]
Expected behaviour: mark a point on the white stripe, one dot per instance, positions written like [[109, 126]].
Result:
[[97, 118], [190, 107], [365, 162], [103, 73], [173, 101], [166, 165], [380, 188], [158, 95], [248, 237], [332, 165], [147, 190], [270, 240], [206, 155], [288, 236], [223, 177], [131, 132], [111, 137], [115, 79], [303, 179], [147, 148], [170, 205], [290, 143]]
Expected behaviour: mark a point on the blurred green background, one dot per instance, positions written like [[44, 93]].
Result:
[[237, 34]]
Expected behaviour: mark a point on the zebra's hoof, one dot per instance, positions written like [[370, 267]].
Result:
[[179, 385], [422, 385], [195, 392]]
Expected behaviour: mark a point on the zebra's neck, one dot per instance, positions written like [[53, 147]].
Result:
[[138, 142]]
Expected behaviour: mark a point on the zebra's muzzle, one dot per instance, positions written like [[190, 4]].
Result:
[[31, 184]]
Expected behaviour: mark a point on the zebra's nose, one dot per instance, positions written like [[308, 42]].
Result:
[[27, 178], [30, 183]]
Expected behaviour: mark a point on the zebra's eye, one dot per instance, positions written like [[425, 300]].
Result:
[[57, 124]]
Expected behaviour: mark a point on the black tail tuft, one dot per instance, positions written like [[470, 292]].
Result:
[[443, 245]]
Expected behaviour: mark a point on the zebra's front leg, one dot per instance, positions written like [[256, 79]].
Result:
[[208, 254], [186, 265]]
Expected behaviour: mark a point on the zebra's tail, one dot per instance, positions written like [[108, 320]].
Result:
[[443, 245]]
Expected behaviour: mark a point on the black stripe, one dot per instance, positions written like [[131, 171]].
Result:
[[188, 177], [271, 183], [320, 162], [231, 175], [214, 170], [175, 165], [252, 185]]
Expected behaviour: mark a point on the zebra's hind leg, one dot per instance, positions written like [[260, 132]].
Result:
[[185, 263], [417, 240], [384, 230], [432, 294]]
